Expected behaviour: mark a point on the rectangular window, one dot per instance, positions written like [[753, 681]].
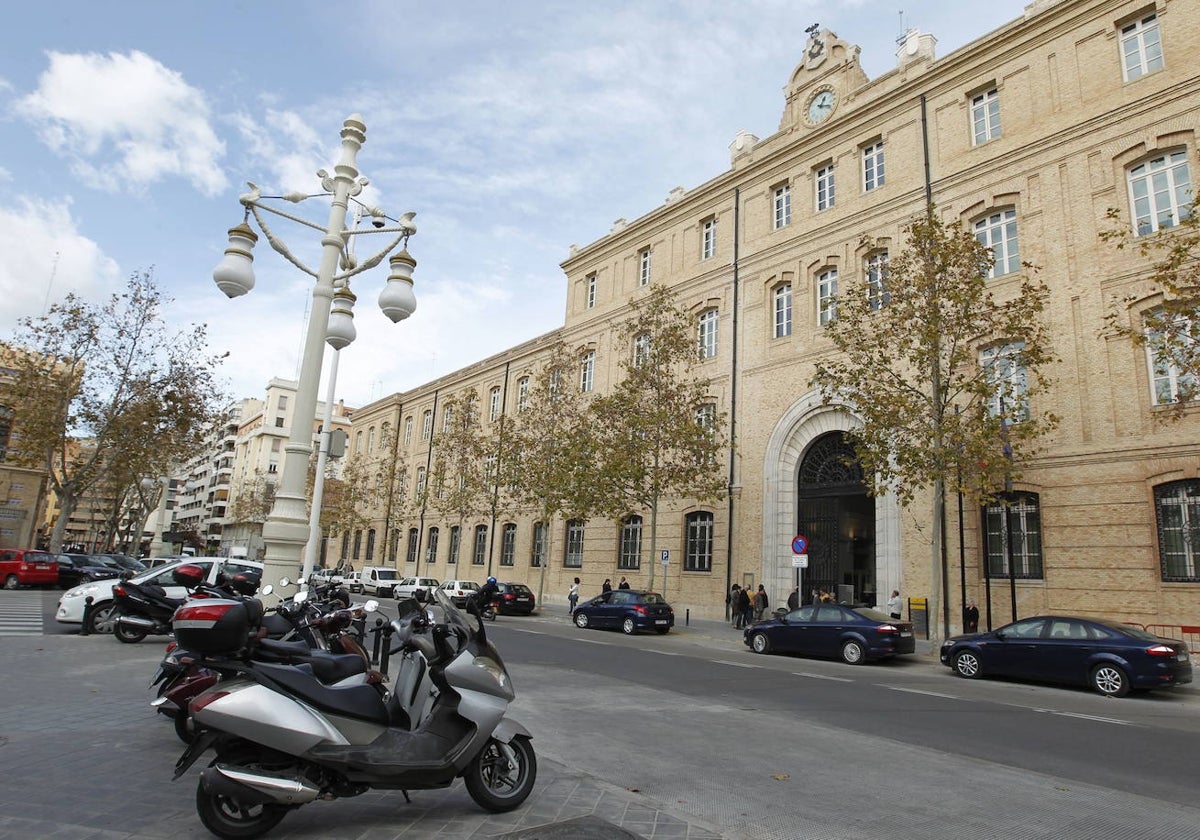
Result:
[[573, 559], [783, 310], [824, 185], [876, 270], [644, 267], [591, 290], [1160, 191], [708, 334], [508, 544], [479, 556], [630, 556], [587, 371], [1177, 509], [1141, 48], [708, 243], [827, 287], [698, 555], [998, 231], [1005, 370], [783, 206], [985, 116], [872, 158], [537, 557], [1020, 523]]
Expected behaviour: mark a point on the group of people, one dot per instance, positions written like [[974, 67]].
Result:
[[745, 606]]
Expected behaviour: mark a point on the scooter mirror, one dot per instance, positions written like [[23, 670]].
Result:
[[267, 590], [371, 606]]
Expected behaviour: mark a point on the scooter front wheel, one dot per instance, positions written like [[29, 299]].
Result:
[[501, 777]]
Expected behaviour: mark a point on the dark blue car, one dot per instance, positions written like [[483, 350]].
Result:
[[856, 634], [629, 609], [1111, 657]]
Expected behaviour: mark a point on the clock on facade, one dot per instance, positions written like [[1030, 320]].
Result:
[[821, 105]]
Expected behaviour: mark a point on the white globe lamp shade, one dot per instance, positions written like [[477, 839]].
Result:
[[340, 331], [234, 274], [397, 300]]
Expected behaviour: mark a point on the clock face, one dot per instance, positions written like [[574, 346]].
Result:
[[821, 106]]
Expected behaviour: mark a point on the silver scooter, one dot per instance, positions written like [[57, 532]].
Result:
[[283, 738]]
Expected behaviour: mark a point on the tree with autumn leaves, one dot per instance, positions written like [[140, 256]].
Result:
[[942, 372]]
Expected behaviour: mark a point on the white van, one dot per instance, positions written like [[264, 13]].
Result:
[[378, 580]]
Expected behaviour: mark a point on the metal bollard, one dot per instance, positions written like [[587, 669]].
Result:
[[85, 630]]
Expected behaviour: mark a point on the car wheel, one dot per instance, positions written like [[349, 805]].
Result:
[[966, 664], [628, 627], [11, 582], [1110, 680], [103, 618], [581, 620], [853, 652], [759, 643]]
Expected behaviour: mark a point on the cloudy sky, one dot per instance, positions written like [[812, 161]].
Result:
[[515, 129]]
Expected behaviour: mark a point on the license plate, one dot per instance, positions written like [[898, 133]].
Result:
[[904, 634], [660, 621]]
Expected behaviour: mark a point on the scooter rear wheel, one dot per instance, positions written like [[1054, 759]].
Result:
[[501, 777], [128, 635]]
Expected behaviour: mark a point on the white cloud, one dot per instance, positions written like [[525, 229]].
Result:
[[125, 121], [45, 257]]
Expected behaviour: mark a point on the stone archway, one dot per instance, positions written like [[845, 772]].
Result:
[[801, 424]]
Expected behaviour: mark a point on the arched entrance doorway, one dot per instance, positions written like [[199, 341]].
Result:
[[834, 511]]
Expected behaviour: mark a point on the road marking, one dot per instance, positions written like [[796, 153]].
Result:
[[919, 691], [1081, 716], [820, 676]]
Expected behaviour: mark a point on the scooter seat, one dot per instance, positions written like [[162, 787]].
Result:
[[357, 701]]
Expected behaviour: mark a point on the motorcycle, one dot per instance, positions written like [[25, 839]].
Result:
[[283, 738]]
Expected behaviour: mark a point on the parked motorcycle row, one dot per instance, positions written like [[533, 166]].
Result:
[[295, 708]]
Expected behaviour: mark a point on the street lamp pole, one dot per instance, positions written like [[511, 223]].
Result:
[[287, 530]]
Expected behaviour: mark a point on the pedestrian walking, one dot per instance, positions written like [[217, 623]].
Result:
[[895, 606], [971, 617], [624, 584], [793, 602], [760, 602], [607, 587], [573, 595]]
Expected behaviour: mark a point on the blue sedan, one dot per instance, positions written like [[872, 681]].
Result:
[[629, 609], [1108, 656], [856, 634]]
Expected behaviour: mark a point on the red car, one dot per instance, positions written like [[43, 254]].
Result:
[[28, 567]]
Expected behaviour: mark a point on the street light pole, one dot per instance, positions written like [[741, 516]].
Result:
[[287, 530]]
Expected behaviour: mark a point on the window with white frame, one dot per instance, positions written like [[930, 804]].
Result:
[[998, 231], [587, 371], [1169, 371], [523, 393], [824, 186], [630, 556], [537, 557], [783, 310], [1004, 368], [408, 429], [708, 333], [479, 556], [1177, 511], [641, 349], [699, 549], [1015, 518], [573, 558], [644, 267], [876, 266], [494, 404], [508, 544], [783, 206], [708, 239], [427, 425], [591, 290], [872, 162], [1141, 47], [827, 288], [985, 116], [1160, 190]]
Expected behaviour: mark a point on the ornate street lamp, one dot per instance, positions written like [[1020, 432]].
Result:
[[288, 529]]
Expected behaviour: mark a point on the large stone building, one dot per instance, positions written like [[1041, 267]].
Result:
[[1026, 137]]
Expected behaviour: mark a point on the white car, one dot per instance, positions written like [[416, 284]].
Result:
[[406, 587], [460, 590], [70, 605]]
